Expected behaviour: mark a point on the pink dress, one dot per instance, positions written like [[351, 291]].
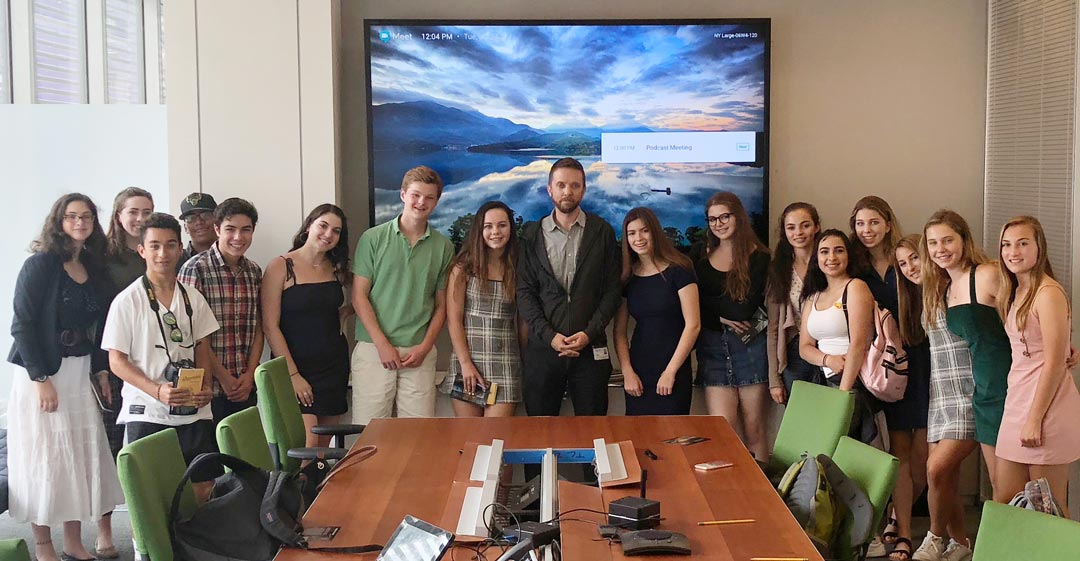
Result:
[[1061, 426]]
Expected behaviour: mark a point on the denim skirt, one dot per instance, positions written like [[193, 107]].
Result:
[[723, 359]]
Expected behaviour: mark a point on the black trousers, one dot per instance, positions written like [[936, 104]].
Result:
[[195, 438], [547, 377], [222, 407]]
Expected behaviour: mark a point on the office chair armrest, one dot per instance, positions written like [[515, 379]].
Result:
[[337, 430], [317, 453]]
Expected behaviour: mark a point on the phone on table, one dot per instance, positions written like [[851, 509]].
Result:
[[323, 534], [709, 466]]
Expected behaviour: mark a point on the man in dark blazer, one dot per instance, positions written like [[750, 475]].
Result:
[[568, 290]]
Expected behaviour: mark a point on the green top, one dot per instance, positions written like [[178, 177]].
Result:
[[124, 268], [991, 358], [404, 280]]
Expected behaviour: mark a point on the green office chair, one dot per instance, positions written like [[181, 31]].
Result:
[[283, 423], [241, 435], [1009, 533], [14, 550], [815, 419], [150, 469], [875, 472]]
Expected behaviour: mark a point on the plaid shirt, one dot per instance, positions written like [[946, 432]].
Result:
[[234, 298]]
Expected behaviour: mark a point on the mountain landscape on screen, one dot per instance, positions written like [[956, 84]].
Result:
[[490, 107]]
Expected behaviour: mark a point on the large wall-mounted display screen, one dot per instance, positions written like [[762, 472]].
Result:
[[661, 114]]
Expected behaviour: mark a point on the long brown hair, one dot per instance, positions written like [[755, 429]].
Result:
[[1042, 270], [744, 243], [783, 260], [860, 253], [339, 254], [663, 251], [909, 295], [54, 240], [475, 255], [935, 280], [117, 240]]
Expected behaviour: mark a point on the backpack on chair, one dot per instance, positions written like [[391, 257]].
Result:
[[830, 507], [809, 495], [228, 527], [251, 513]]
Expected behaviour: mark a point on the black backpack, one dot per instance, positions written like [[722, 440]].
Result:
[[229, 526], [251, 514]]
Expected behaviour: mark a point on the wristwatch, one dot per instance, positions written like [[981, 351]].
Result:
[[40, 379]]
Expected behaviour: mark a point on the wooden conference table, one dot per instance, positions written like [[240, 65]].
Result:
[[417, 459]]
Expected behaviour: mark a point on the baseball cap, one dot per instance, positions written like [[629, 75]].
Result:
[[195, 202]]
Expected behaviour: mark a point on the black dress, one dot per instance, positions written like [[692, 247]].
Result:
[[311, 326], [653, 301]]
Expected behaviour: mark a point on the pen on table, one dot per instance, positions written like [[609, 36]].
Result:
[[778, 559], [722, 522], [652, 455]]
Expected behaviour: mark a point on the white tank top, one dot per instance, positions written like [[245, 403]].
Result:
[[829, 328]]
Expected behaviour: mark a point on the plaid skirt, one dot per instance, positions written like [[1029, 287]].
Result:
[[952, 385]]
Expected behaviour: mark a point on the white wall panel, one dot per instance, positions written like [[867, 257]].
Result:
[[49, 150]]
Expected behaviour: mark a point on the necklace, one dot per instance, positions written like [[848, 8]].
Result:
[[1023, 339], [314, 262]]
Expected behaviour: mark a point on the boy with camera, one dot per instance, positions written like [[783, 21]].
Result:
[[157, 337]]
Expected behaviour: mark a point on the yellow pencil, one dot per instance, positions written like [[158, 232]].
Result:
[[721, 522]]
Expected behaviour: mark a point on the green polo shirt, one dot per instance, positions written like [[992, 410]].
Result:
[[404, 280]]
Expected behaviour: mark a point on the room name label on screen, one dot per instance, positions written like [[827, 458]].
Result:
[[677, 147]]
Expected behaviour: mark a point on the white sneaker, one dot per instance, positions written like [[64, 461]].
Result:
[[876, 548], [957, 551], [932, 549]]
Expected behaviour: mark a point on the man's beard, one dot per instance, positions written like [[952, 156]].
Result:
[[566, 207]]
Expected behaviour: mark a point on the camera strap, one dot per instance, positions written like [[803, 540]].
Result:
[[155, 306]]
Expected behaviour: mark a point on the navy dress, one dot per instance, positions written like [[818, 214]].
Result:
[[911, 412], [653, 301]]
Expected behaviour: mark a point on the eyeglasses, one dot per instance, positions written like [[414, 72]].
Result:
[[204, 216], [722, 219], [174, 330], [72, 218]]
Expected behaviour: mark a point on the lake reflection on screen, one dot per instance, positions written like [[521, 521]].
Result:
[[611, 190]]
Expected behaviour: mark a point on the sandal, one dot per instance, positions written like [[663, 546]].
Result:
[[106, 552], [898, 554], [890, 536]]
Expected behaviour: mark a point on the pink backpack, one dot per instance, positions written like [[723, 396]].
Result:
[[884, 372]]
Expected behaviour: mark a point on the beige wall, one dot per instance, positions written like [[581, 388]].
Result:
[[252, 108], [883, 98]]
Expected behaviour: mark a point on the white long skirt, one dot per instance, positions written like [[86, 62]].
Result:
[[59, 463]]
